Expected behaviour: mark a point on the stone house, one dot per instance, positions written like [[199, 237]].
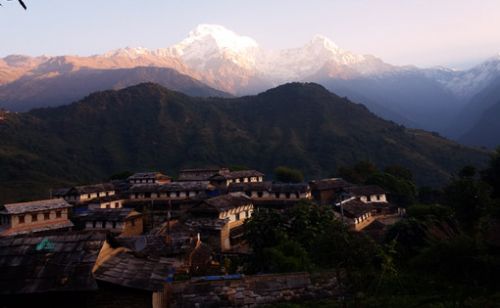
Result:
[[170, 191], [221, 177], [355, 213], [34, 216], [203, 174], [121, 221], [224, 179], [110, 202], [367, 194], [219, 220], [84, 194], [149, 178], [273, 194], [328, 191]]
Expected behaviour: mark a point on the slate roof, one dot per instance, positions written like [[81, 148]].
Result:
[[90, 189], [270, 187], [172, 187], [128, 270], [39, 227], [365, 190], [355, 208], [148, 175], [200, 174], [150, 245], [61, 262], [329, 184], [224, 203], [207, 223], [237, 174], [35, 206], [118, 215], [99, 200]]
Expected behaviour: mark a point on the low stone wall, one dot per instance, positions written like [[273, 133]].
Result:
[[251, 291]]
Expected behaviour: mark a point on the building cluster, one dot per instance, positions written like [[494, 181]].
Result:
[[133, 235]]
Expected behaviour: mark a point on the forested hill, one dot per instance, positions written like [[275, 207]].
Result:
[[147, 127]]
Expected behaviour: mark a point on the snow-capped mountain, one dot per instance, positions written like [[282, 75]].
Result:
[[225, 60], [210, 43], [470, 82]]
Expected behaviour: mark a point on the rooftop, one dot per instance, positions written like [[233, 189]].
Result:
[[328, 184], [90, 189], [173, 186], [35, 206], [365, 190], [355, 208], [270, 187], [223, 203], [129, 270], [118, 215], [148, 175], [34, 264]]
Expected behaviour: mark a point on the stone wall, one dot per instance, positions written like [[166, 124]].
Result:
[[251, 291]]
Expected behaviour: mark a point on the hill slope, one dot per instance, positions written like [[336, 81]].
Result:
[[149, 127], [485, 130]]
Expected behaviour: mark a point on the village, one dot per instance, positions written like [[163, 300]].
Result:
[[131, 240]]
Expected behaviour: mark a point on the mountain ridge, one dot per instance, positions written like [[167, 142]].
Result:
[[147, 127]]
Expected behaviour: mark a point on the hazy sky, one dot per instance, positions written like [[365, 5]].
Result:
[[456, 33]]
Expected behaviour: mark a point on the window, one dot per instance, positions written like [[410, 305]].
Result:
[[379, 197], [88, 196], [21, 219], [117, 205], [237, 216], [114, 224], [260, 194], [287, 195], [108, 206], [34, 217], [103, 225], [58, 214], [46, 216], [93, 224]]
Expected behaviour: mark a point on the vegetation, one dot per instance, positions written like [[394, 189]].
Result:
[[441, 255], [147, 127], [288, 175]]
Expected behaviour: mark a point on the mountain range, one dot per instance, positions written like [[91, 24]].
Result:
[[147, 127], [434, 99]]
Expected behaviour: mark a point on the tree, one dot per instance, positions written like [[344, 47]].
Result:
[[359, 173], [492, 174], [401, 190], [399, 172], [469, 198], [288, 175]]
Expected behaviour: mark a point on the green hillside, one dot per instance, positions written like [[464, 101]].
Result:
[[147, 127]]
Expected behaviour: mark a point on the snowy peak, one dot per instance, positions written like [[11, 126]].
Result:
[[207, 39], [222, 37], [130, 52], [321, 41]]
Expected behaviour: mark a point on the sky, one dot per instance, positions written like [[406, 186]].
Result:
[[452, 33]]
